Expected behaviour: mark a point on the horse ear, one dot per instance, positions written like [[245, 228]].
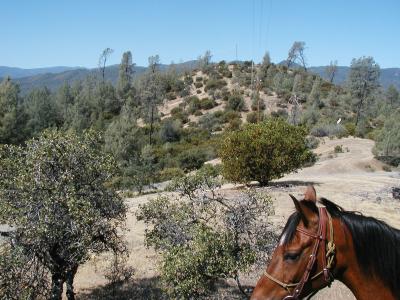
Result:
[[310, 194], [299, 209]]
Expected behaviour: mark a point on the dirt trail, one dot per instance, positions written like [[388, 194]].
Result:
[[352, 179]]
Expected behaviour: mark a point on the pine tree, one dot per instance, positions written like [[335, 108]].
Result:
[[125, 76]]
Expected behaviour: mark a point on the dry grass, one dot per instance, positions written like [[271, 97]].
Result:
[[343, 179]]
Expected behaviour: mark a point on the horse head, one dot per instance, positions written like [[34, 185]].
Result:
[[302, 262]]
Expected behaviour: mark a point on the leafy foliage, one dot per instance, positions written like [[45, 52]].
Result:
[[263, 151], [53, 193], [204, 236], [388, 139]]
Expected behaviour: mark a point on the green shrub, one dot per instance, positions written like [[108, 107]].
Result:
[[170, 173], [177, 113], [257, 103], [213, 84], [263, 151], [236, 102], [225, 94], [170, 96], [253, 117], [338, 149], [312, 142], [176, 110], [192, 159], [209, 122], [170, 130], [218, 114], [198, 85], [193, 104], [229, 115], [321, 130], [205, 237], [280, 113], [207, 103], [388, 139], [234, 124]]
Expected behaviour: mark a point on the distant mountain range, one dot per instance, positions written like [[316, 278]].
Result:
[[19, 72], [388, 76], [54, 77]]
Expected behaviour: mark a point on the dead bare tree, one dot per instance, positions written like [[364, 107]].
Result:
[[296, 53], [103, 60], [331, 70]]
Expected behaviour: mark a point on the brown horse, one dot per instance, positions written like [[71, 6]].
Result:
[[322, 242]]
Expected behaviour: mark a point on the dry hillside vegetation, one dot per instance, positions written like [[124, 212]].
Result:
[[271, 101], [352, 179]]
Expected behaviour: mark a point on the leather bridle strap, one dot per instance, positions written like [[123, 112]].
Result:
[[327, 259]]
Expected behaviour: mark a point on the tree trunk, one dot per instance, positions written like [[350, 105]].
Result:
[[70, 283], [56, 286]]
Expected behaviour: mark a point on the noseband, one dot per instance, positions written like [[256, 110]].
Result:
[[328, 248]]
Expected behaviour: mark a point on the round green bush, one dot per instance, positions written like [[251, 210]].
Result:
[[263, 151]]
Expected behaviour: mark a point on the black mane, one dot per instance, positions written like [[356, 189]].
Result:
[[377, 245]]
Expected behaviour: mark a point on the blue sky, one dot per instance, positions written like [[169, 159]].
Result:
[[40, 33]]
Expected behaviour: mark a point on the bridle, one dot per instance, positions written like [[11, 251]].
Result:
[[328, 250]]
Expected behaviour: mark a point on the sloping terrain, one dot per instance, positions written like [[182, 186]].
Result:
[[352, 179], [269, 100]]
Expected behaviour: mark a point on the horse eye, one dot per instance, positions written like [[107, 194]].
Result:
[[291, 256]]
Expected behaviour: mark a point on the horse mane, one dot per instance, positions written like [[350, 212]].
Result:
[[376, 243]]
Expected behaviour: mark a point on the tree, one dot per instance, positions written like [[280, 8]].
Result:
[[331, 70], [125, 76], [296, 53], [53, 193], [204, 61], [41, 110], [151, 92], [82, 114], [314, 97], [263, 151], [65, 102], [265, 64], [203, 236], [392, 96], [12, 117], [362, 82], [388, 138], [124, 139], [103, 61]]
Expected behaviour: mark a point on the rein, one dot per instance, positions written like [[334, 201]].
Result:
[[328, 249]]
